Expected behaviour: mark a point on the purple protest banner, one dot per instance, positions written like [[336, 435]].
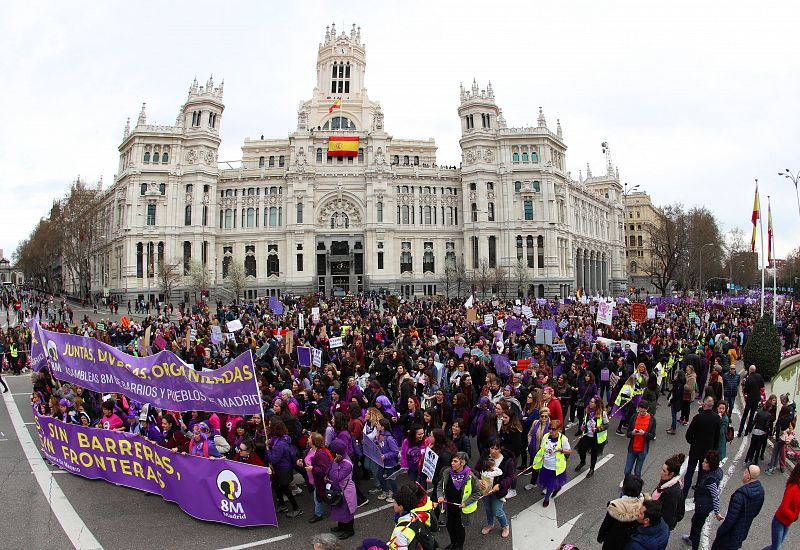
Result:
[[541, 301], [211, 490], [514, 325], [161, 379], [371, 451], [37, 353], [502, 364], [304, 356]]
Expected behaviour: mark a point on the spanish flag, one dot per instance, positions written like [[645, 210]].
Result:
[[769, 233], [336, 105], [754, 218], [343, 146]]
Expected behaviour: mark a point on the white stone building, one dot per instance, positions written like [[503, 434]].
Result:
[[389, 217]]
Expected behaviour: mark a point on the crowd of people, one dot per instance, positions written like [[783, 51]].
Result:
[[497, 407]]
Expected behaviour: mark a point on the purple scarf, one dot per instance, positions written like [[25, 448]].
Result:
[[459, 479]]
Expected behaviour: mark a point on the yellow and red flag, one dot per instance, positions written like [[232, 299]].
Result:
[[754, 218], [769, 233], [343, 146], [336, 105]]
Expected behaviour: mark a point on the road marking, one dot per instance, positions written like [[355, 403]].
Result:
[[536, 523], [374, 510], [76, 530], [30, 423], [257, 543]]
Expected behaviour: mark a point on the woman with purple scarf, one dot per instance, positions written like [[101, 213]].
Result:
[[459, 493]]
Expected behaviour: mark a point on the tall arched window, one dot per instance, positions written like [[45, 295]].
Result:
[[165, 157], [405, 215], [155, 157], [299, 213], [515, 157], [427, 261], [540, 251], [519, 247], [427, 218], [251, 217], [273, 216], [529, 247], [187, 215], [379, 207], [319, 155], [147, 156], [260, 162], [229, 224]]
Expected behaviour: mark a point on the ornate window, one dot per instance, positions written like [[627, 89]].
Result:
[[205, 215], [340, 220], [187, 215], [340, 77], [143, 189], [155, 157], [519, 247], [427, 258], [151, 260], [151, 214], [474, 210], [139, 260], [474, 242], [147, 156], [165, 157], [227, 258], [515, 157], [450, 254], [162, 188], [273, 262], [492, 251], [529, 246], [281, 161], [379, 208], [405, 257], [528, 209], [339, 123], [491, 211], [230, 222], [250, 261], [540, 251], [187, 256], [299, 213]]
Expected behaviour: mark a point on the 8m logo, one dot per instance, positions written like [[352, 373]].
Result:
[[230, 486]]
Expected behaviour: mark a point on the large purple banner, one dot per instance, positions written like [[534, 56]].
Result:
[[161, 379], [212, 490]]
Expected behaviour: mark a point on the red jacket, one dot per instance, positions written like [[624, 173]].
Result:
[[790, 505]]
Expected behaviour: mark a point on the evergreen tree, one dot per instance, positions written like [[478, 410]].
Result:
[[763, 348]]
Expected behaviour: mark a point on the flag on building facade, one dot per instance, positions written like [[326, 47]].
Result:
[[343, 146], [754, 218], [336, 105]]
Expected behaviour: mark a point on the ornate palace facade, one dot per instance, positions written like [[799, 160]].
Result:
[[304, 214]]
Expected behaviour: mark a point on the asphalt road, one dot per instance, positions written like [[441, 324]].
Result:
[[123, 518]]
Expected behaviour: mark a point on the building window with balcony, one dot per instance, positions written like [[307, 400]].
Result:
[[250, 261], [427, 258], [474, 211], [151, 214], [273, 262], [405, 258]]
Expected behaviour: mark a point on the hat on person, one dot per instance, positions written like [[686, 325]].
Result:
[[64, 402], [337, 447]]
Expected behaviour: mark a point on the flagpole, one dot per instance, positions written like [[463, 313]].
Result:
[[774, 264], [763, 258]]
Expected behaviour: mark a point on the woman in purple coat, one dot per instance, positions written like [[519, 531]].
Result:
[[340, 477]]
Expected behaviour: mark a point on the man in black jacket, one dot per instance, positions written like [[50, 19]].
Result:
[[702, 436], [752, 385]]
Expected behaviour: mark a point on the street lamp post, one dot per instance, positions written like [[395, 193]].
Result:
[[794, 178]]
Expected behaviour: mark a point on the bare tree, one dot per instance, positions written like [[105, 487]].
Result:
[[169, 275], [448, 278], [669, 240], [789, 272], [75, 221], [199, 277], [35, 255], [236, 279], [500, 280], [521, 276], [460, 276], [483, 276], [704, 247]]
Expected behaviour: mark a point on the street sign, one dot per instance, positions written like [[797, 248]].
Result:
[[17, 305]]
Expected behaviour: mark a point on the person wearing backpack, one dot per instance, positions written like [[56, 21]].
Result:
[[410, 532]]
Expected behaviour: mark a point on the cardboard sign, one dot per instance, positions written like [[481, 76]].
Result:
[[638, 312], [527, 312], [429, 463], [335, 342], [472, 315]]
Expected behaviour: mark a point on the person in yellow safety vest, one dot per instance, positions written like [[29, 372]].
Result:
[[594, 434], [423, 507], [459, 492], [405, 500], [621, 405], [551, 461], [14, 357]]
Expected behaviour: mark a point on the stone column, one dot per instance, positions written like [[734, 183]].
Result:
[[578, 268]]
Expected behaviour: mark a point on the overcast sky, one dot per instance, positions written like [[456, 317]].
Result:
[[695, 98]]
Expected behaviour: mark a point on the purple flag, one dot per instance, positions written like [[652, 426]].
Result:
[[161, 379], [211, 490], [160, 342], [501, 364], [37, 353], [514, 325], [275, 305]]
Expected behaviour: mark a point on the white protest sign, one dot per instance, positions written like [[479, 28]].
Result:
[[488, 319], [558, 348], [501, 323], [234, 325], [429, 463], [605, 311], [316, 359], [335, 342], [301, 321], [651, 313], [315, 314], [527, 312]]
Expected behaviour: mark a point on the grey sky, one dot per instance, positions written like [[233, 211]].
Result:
[[696, 98]]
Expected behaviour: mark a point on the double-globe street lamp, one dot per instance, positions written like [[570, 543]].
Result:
[[794, 178]]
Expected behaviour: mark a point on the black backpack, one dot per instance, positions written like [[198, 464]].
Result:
[[423, 538]]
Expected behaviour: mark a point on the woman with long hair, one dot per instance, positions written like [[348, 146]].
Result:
[[788, 510], [540, 428], [511, 433], [317, 462], [496, 473]]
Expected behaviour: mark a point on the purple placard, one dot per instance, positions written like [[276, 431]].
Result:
[[548, 324], [371, 451], [161, 379], [514, 325], [502, 364], [160, 342], [224, 491], [276, 305], [541, 301], [459, 350], [37, 353], [304, 356]]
